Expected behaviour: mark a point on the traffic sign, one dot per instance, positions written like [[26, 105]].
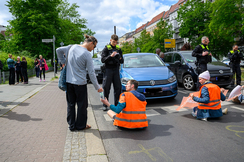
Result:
[[61, 44], [169, 43], [47, 40]]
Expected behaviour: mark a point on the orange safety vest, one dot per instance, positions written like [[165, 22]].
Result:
[[134, 114], [214, 97]]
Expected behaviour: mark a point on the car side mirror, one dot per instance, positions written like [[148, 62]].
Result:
[[177, 63]]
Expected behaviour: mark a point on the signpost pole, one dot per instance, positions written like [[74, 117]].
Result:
[[54, 63]]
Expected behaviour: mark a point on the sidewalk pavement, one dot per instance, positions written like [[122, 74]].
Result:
[[34, 127]]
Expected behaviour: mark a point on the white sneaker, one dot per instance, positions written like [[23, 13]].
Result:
[[204, 119], [225, 111]]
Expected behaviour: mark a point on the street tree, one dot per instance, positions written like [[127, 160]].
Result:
[[37, 20], [225, 25], [194, 18]]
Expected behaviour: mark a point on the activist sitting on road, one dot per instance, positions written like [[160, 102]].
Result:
[[209, 101], [131, 109], [240, 98]]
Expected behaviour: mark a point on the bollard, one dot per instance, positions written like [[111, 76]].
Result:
[[3, 77]]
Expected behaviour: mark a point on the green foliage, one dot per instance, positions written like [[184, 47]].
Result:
[[220, 20], [194, 18], [4, 57], [37, 20], [148, 43]]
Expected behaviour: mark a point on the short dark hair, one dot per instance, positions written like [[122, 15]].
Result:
[[114, 37], [135, 83]]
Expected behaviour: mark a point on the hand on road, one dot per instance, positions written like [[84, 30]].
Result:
[[100, 90]]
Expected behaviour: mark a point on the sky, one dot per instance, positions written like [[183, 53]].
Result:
[[103, 15]]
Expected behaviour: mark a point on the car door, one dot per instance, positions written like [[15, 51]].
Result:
[[177, 65], [168, 59]]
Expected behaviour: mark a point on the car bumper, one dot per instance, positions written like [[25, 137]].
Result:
[[158, 91], [222, 80]]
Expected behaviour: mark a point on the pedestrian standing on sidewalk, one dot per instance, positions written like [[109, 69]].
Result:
[[78, 63], [11, 67], [18, 70], [112, 58], [24, 70], [41, 64], [37, 68]]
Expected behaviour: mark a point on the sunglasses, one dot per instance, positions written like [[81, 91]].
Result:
[[94, 45]]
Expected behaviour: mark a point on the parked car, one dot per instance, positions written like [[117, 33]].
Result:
[[97, 67], [227, 62], [183, 65], [155, 79]]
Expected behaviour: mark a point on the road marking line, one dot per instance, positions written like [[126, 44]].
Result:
[[236, 131], [184, 92], [146, 151], [152, 113], [234, 107], [107, 118]]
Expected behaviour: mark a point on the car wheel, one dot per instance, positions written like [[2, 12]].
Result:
[[188, 82]]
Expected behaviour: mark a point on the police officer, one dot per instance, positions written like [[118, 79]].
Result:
[[112, 57], [203, 55], [235, 57]]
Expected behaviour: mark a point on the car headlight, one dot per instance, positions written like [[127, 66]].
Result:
[[172, 79], [125, 80]]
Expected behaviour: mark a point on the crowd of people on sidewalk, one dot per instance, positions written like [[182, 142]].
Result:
[[19, 68]]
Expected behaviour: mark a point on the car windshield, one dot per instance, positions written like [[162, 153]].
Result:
[[189, 58], [138, 61], [97, 62]]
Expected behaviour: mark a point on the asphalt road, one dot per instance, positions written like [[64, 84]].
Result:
[[173, 135]]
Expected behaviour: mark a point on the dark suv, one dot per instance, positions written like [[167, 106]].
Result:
[[182, 64]]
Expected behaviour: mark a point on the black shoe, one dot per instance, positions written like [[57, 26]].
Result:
[[72, 130], [105, 109]]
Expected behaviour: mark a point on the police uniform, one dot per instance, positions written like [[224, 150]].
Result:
[[235, 58], [202, 61], [111, 73]]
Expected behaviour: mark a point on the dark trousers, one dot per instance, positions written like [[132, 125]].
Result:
[[42, 71], [19, 74], [111, 75], [201, 69], [37, 71], [236, 71], [77, 94], [11, 76], [25, 75]]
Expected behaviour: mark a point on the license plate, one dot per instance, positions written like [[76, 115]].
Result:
[[214, 79]]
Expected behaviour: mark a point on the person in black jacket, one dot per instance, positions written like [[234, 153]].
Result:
[[18, 70], [235, 57], [37, 68], [24, 70], [112, 57], [203, 55]]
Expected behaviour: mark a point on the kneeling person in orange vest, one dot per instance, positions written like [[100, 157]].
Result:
[[131, 109], [209, 100]]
